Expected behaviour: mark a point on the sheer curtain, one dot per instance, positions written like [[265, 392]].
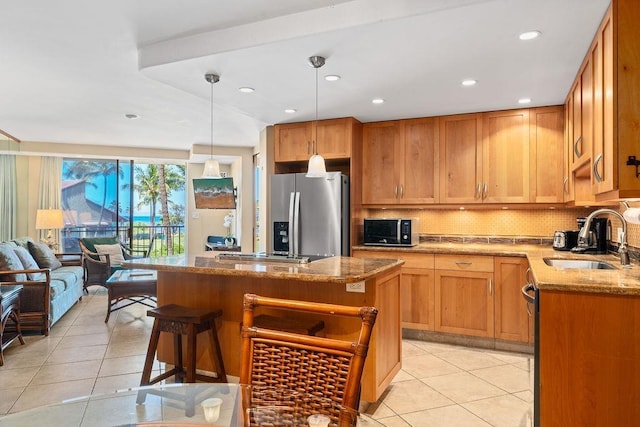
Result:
[[8, 200], [50, 195]]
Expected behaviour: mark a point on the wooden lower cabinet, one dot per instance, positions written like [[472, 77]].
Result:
[[462, 294], [511, 317], [464, 304], [589, 358], [416, 287]]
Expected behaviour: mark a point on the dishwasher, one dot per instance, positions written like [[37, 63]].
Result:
[[530, 293]]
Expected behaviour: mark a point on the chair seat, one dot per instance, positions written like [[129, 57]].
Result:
[[309, 327], [182, 314]]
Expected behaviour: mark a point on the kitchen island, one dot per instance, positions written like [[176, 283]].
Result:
[[206, 281]]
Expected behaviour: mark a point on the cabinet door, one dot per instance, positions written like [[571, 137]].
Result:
[[419, 169], [505, 154], [333, 138], [511, 317], [586, 79], [417, 298], [464, 302], [603, 138], [460, 158], [381, 146], [292, 142], [547, 151], [567, 180], [576, 141]]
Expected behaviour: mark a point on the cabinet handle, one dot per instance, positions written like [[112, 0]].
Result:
[[595, 168], [395, 191], [490, 287], [463, 263], [575, 147], [478, 191], [527, 275], [565, 187], [401, 191], [485, 191]]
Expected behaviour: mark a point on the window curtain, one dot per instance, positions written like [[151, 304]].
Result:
[[50, 195], [8, 202]]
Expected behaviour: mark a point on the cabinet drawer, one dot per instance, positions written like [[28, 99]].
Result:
[[464, 263], [411, 260]]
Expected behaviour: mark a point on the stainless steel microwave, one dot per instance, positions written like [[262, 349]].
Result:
[[391, 231]]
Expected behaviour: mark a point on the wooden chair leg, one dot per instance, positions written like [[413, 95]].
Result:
[[216, 353], [177, 357], [148, 362], [191, 353]]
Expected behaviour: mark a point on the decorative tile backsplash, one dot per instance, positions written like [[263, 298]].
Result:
[[496, 225]]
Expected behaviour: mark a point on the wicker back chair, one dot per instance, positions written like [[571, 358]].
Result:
[[291, 376]]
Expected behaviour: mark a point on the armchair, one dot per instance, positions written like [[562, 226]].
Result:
[[99, 265]]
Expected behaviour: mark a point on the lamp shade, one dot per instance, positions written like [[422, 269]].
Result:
[[211, 169], [317, 168], [47, 219]]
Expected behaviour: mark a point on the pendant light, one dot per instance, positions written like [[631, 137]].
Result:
[[317, 168], [211, 166]]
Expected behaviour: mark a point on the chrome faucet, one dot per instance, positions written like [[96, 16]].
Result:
[[583, 236]]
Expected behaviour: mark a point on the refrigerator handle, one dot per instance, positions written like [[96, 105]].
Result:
[[296, 225], [290, 230]]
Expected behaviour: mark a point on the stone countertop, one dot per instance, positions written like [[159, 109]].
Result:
[[621, 281], [327, 270]]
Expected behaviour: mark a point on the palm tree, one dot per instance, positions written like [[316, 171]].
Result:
[[87, 170], [156, 183]]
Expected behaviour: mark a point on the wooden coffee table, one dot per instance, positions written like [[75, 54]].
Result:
[[9, 311], [134, 286]]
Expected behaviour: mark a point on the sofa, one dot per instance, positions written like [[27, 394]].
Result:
[[52, 282]]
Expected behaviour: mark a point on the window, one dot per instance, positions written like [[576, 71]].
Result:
[[125, 199]]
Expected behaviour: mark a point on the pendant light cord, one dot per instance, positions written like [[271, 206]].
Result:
[[211, 147], [315, 143]]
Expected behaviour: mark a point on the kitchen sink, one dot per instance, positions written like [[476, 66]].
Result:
[[579, 264]]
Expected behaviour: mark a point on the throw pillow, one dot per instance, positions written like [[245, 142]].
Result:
[[28, 263], [44, 256], [114, 251], [10, 261]]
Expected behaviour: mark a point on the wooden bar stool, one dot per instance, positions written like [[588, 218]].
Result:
[[179, 321]]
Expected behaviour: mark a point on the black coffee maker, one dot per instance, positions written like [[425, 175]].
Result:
[[597, 241]]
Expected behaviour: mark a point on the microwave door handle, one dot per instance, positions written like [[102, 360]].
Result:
[[296, 224], [398, 227], [290, 230]]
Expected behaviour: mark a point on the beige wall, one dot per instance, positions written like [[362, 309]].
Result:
[[508, 223]]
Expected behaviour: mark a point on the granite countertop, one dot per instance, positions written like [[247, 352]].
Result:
[[331, 270], [621, 281]]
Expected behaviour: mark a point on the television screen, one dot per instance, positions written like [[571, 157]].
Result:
[[214, 193]]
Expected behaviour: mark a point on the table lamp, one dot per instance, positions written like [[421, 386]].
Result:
[[49, 219]]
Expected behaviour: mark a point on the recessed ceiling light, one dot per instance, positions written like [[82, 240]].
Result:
[[377, 101], [290, 110], [524, 101], [332, 78], [529, 35], [469, 82], [131, 116], [246, 89]]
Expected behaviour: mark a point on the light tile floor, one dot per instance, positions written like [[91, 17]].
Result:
[[439, 385]]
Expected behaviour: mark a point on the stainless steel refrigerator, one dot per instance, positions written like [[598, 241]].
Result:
[[310, 216]]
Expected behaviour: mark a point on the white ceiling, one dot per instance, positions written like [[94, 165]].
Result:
[[71, 69]]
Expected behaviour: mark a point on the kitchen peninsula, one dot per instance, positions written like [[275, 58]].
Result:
[[204, 280]]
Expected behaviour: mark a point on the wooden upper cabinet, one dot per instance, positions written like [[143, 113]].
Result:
[[295, 141], [568, 177], [381, 150], [546, 140], [334, 138], [460, 158], [505, 154], [400, 162], [575, 143], [603, 157]]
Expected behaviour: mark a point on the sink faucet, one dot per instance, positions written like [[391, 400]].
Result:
[[583, 236]]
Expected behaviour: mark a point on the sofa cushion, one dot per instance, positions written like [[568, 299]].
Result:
[[65, 277], [23, 242], [28, 263], [44, 256], [91, 242], [56, 288], [114, 251], [10, 261]]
